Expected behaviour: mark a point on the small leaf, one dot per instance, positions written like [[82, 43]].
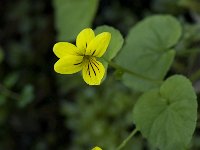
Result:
[[11, 79], [167, 116], [116, 41], [115, 44], [71, 16], [148, 50], [27, 96]]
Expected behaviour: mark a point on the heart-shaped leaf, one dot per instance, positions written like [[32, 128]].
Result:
[[148, 50], [167, 116]]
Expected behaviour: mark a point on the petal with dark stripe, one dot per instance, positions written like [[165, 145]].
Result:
[[97, 47], [93, 71]]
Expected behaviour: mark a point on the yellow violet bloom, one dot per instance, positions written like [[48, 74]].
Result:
[[97, 148], [83, 56]]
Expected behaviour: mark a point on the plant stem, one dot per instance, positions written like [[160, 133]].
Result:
[[7, 92], [186, 51], [116, 66], [121, 146]]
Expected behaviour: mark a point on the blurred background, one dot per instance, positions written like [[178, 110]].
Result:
[[42, 110]]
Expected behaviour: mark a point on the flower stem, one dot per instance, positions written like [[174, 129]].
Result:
[[121, 146], [116, 66]]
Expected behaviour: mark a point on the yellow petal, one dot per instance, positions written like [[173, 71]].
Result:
[[99, 44], [61, 49], [93, 71], [69, 64], [96, 148], [83, 39]]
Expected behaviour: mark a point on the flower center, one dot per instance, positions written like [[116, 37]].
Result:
[[86, 57]]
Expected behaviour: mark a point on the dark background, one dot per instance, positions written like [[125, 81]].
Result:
[[41, 110]]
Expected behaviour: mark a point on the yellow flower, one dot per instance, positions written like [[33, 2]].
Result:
[[83, 56], [97, 148]]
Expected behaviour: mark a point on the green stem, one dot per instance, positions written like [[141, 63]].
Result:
[[116, 66], [6, 92], [186, 51], [121, 146]]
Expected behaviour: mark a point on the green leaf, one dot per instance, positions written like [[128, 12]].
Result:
[[148, 50], [27, 96], [11, 79], [71, 16], [115, 43], [167, 116]]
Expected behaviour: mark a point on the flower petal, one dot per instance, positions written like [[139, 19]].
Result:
[[83, 39], [96, 148], [69, 64], [61, 49], [93, 71], [99, 44]]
